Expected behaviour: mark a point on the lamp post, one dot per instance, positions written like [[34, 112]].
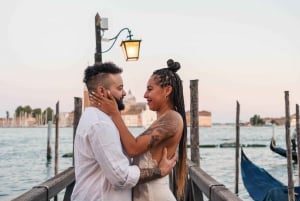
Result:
[[98, 54], [131, 48]]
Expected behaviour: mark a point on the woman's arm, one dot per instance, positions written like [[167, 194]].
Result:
[[163, 128]]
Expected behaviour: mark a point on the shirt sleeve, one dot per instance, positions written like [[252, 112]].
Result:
[[105, 143]]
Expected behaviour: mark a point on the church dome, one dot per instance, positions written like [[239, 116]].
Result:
[[129, 99]]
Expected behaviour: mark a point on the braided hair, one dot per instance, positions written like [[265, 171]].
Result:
[[169, 77]]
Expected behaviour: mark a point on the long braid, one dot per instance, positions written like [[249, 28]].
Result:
[[168, 76]]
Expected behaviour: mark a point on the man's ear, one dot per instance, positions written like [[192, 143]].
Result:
[[100, 91]]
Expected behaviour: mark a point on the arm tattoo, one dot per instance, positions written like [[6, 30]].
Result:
[[153, 140], [149, 174], [162, 129]]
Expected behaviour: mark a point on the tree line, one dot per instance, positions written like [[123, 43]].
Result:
[[256, 120], [26, 111]]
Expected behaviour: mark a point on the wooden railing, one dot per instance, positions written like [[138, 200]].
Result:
[[199, 182], [50, 188]]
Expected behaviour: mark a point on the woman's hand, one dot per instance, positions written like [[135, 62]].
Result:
[[106, 104]]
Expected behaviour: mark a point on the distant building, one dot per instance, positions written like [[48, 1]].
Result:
[[293, 120], [204, 118], [136, 114], [132, 116], [66, 119], [6, 122], [148, 116], [280, 121]]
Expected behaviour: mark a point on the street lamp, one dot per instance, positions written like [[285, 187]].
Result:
[[131, 48]]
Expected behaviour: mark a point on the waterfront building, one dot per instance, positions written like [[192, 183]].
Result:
[[204, 118]]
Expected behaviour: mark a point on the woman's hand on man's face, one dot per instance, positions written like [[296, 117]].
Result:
[[106, 104]]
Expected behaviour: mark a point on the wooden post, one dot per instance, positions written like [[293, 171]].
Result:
[[194, 136], [194, 127], [56, 141], [237, 147], [56, 138], [98, 54], [289, 149], [77, 114], [48, 141], [298, 140]]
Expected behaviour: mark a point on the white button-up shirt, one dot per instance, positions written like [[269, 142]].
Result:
[[102, 170]]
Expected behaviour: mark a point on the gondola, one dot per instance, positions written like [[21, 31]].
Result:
[[280, 150], [262, 186]]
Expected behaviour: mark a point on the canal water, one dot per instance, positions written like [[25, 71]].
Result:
[[23, 162]]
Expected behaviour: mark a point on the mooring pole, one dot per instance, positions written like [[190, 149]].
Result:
[[194, 127], [237, 147], [56, 141], [77, 115], [48, 140], [194, 134], [289, 149], [298, 140]]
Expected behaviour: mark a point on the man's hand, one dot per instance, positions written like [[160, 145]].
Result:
[[166, 165]]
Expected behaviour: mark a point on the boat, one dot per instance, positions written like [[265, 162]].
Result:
[[261, 185], [281, 151]]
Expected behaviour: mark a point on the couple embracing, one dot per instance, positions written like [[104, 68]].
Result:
[[113, 165]]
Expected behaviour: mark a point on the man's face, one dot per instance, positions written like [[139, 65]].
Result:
[[117, 90]]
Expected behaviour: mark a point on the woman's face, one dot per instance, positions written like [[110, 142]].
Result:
[[155, 94]]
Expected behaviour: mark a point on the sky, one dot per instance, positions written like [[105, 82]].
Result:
[[239, 51]]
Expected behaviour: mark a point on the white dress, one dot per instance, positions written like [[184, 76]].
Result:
[[156, 190]]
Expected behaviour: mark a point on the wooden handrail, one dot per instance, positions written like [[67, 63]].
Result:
[[203, 182], [49, 188], [209, 186]]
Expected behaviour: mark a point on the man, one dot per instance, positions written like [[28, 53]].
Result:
[[103, 172]]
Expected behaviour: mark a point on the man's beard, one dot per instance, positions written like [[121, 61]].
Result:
[[120, 103]]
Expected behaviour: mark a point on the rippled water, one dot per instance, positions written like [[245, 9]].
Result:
[[23, 162]]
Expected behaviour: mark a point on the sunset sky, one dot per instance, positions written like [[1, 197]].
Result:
[[246, 51]]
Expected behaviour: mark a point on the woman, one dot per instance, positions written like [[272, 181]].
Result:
[[164, 95]]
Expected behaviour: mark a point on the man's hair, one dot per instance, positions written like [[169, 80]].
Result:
[[98, 74]]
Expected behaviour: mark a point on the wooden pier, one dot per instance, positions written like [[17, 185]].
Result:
[[199, 182]]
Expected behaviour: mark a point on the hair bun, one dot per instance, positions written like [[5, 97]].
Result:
[[173, 66]]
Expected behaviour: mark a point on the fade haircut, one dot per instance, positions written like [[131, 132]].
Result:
[[98, 74]]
